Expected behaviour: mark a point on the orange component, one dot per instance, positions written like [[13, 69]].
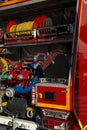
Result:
[[11, 2], [50, 58]]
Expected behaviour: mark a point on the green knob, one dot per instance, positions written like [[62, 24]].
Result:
[[4, 77], [20, 77]]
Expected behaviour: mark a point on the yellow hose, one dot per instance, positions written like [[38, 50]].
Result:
[[24, 26], [5, 64]]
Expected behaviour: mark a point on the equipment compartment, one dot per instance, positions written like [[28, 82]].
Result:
[[39, 40]]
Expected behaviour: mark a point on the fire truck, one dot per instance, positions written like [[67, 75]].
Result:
[[43, 64]]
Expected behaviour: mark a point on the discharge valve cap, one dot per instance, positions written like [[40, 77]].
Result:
[[9, 92]]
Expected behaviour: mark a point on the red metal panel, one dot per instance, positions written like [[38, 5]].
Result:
[[60, 95], [82, 67], [81, 79]]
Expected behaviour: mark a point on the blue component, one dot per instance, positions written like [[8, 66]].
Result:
[[21, 89], [31, 66], [38, 119]]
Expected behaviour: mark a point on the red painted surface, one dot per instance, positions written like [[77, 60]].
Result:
[[50, 122], [81, 71], [60, 97]]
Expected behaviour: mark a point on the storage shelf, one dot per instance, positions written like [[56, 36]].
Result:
[[20, 43]]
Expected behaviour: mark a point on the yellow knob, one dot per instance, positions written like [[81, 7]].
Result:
[[40, 95]]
